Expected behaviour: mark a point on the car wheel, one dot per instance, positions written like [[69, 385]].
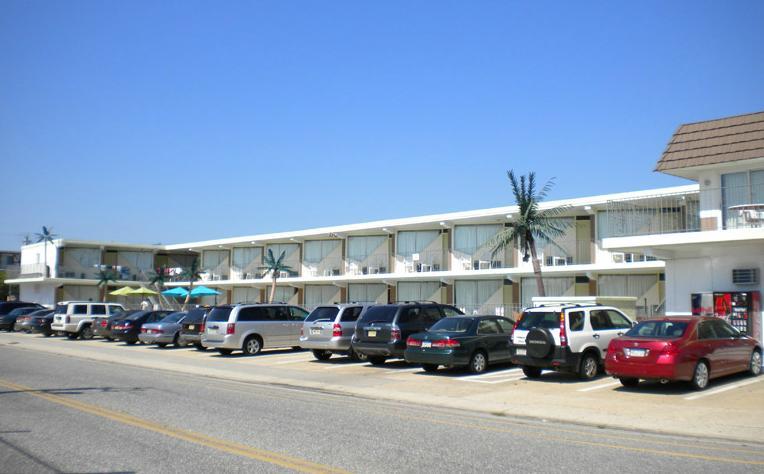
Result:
[[110, 339], [430, 367], [296, 348], [47, 333], [130, 343], [700, 376], [478, 363], [225, 352], [162, 344], [755, 368], [200, 347], [252, 345], [377, 360], [72, 335], [322, 355], [587, 370], [176, 340], [628, 382], [532, 372], [357, 356], [86, 332]]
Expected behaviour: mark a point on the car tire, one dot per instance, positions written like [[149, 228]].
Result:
[[72, 335], [478, 362], [200, 347], [86, 333], [130, 343], [110, 339], [755, 367], [357, 356], [162, 344], [430, 367], [377, 360], [322, 355], [588, 367], [628, 381], [700, 376], [532, 372], [252, 345], [47, 333], [225, 352], [176, 340]]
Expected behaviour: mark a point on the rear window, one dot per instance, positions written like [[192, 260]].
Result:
[[379, 314], [219, 314], [195, 316], [174, 317], [323, 313], [452, 324], [659, 329], [539, 319]]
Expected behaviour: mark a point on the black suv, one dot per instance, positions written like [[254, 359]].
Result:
[[382, 330], [192, 328]]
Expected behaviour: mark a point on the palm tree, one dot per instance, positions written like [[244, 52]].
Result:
[[532, 224], [191, 274], [158, 277], [45, 236], [104, 277], [275, 266]]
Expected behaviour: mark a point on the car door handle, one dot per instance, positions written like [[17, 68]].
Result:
[[596, 336], [620, 333]]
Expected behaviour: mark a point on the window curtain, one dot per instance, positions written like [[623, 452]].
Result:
[[411, 242], [246, 295], [367, 293], [757, 187], [84, 257], [318, 250], [244, 257], [735, 192], [475, 293], [418, 291], [565, 244], [558, 286], [283, 293], [360, 248], [288, 249], [142, 261], [468, 239], [321, 294], [625, 285]]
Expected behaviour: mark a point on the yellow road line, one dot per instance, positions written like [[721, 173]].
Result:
[[230, 447]]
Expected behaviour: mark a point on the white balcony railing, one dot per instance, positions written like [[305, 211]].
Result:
[[371, 265], [427, 261], [329, 266]]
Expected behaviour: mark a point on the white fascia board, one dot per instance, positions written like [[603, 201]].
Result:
[[683, 238], [434, 219]]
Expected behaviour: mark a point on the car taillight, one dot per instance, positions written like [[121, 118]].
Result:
[[201, 327], [563, 334], [411, 342], [67, 319], [144, 330], [158, 331], [337, 330], [445, 344], [104, 323], [667, 354], [230, 328], [517, 323], [395, 334]]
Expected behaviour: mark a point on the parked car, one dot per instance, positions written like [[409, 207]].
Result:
[[8, 321], [192, 328], [328, 330], [566, 337], [163, 332], [102, 324], [128, 328], [40, 321], [75, 318], [24, 321], [694, 349], [252, 327], [465, 341], [382, 330], [7, 307]]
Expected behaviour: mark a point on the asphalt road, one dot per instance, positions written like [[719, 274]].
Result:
[[65, 414]]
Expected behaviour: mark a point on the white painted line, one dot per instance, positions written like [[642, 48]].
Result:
[[342, 366], [402, 371], [597, 387], [495, 381], [725, 388], [499, 373], [289, 362]]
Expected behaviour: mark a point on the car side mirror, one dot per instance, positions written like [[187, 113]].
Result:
[[634, 323]]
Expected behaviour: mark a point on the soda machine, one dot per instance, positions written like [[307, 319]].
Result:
[[739, 308]]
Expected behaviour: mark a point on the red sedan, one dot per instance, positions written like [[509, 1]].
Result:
[[694, 349]]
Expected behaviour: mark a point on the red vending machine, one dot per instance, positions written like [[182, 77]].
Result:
[[739, 308]]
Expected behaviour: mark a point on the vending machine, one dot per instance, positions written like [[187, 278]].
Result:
[[739, 308]]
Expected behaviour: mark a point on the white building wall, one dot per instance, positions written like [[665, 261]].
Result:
[[42, 293]]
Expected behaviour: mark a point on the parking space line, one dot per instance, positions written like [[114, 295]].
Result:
[[597, 387], [486, 375], [342, 366], [290, 362], [401, 371], [495, 381], [724, 388]]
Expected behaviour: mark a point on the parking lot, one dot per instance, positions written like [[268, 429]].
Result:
[[729, 409]]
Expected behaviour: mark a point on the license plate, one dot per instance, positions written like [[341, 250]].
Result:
[[426, 344], [520, 352], [636, 352], [191, 326], [315, 332], [372, 333]]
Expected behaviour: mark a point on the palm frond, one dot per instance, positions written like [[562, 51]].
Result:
[[506, 238]]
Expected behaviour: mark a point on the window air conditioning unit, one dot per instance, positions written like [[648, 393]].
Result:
[[745, 276], [559, 261], [618, 257], [549, 261]]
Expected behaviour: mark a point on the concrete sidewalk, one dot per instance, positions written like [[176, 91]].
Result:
[[729, 409]]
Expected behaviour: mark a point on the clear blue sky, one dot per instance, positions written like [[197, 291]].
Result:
[[173, 121]]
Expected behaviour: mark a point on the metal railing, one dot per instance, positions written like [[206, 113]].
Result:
[[371, 265], [577, 252], [506, 310], [216, 273], [32, 270], [480, 260], [250, 271], [427, 261], [330, 266]]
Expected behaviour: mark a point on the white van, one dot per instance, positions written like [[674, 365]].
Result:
[[75, 318]]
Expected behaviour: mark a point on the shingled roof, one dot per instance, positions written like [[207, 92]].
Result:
[[715, 141]]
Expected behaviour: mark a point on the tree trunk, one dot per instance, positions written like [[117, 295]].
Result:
[[188, 297], [273, 288], [537, 269], [103, 294], [46, 273]]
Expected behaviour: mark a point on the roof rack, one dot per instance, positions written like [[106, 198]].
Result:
[[572, 305], [417, 301]]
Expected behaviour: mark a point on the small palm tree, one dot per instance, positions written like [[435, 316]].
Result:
[[45, 236], [191, 274], [275, 266], [532, 224], [104, 277]]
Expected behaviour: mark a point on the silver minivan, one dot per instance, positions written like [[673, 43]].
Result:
[[328, 330], [253, 327]]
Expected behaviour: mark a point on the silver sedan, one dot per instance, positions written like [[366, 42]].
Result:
[[164, 332]]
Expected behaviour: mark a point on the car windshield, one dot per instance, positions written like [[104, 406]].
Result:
[[173, 318], [658, 329], [539, 319], [453, 324], [219, 314], [323, 313], [379, 314]]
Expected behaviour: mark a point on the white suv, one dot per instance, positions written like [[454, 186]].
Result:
[[566, 337], [75, 318]]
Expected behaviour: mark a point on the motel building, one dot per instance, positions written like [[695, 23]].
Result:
[[697, 246]]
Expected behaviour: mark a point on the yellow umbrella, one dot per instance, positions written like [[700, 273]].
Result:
[[124, 291], [142, 291]]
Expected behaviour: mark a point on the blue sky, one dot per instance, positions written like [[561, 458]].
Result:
[[149, 121]]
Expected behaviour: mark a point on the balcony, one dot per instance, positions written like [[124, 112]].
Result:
[[481, 260], [329, 266], [370, 265], [32, 270], [571, 252], [426, 261], [215, 273]]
